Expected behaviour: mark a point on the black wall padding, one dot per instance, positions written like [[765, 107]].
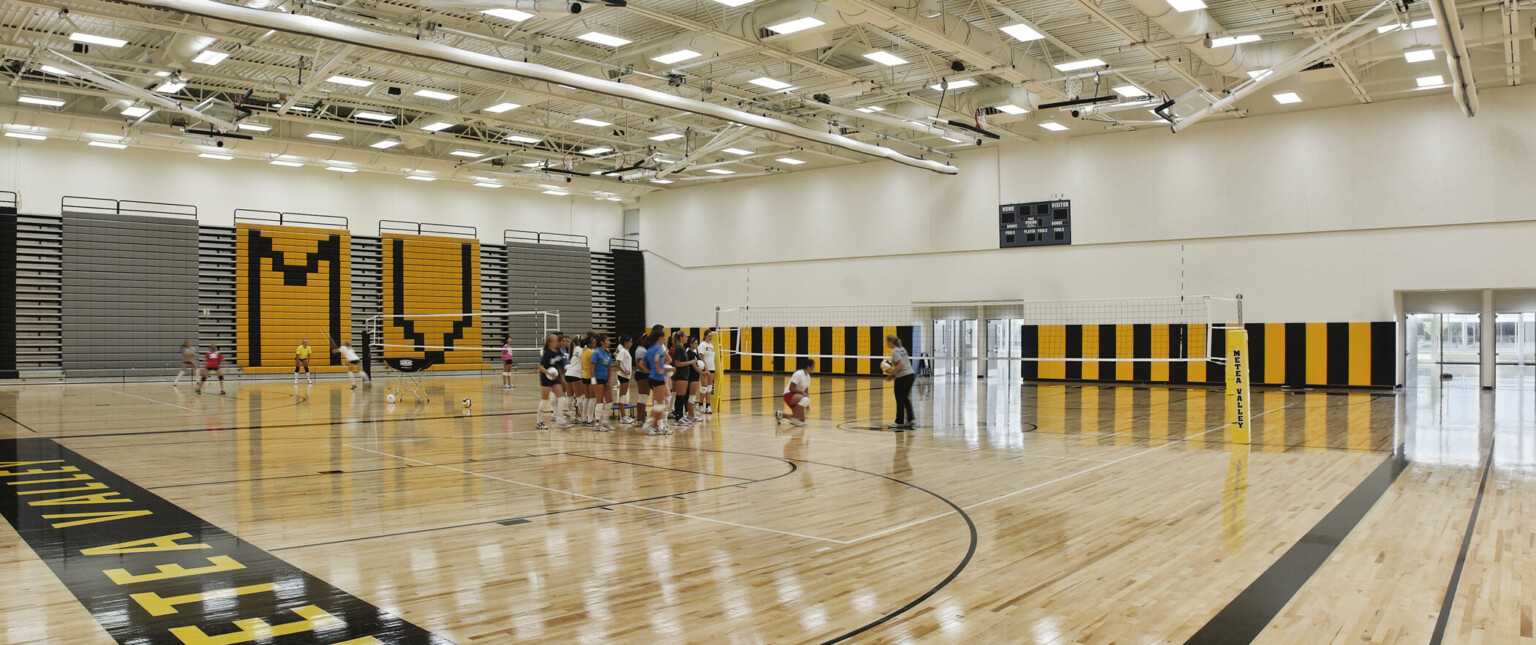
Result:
[[129, 291], [629, 287], [8, 292]]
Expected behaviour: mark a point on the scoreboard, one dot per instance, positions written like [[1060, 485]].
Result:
[[1034, 224]]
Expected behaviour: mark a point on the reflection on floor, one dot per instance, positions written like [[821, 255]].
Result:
[[1014, 513]]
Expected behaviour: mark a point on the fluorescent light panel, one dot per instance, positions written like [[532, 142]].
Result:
[[171, 87], [603, 39], [592, 122], [1228, 41], [1419, 55], [1053, 126], [667, 137], [437, 126], [26, 135], [508, 14], [104, 41], [215, 156], [486, 184], [596, 151], [210, 57], [661, 181], [522, 139], [733, 3], [136, 111], [1079, 64], [789, 160], [720, 171], [1022, 32], [107, 144], [1182, 6], [556, 192], [1258, 73], [737, 151], [1417, 24], [798, 24], [421, 178], [955, 85], [769, 83], [1430, 81], [886, 58], [373, 116], [341, 168], [254, 127], [55, 71], [677, 56], [285, 163], [325, 136], [1009, 108], [871, 109], [1130, 91], [467, 153], [384, 144], [501, 107], [346, 80], [41, 100], [1287, 98], [434, 94]]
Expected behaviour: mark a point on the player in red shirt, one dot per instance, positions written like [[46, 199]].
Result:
[[212, 361]]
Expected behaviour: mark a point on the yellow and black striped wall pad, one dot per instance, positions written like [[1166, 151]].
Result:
[[822, 343], [432, 275], [291, 283], [1352, 354]]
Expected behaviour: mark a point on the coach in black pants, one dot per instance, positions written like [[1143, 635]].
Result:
[[901, 372]]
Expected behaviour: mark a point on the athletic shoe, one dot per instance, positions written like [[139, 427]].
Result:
[[541, 426], [653, 430], [796, 422], [221, 392], [604, 428], [778, 418], [354, 386], [910, 426], [894, 426]]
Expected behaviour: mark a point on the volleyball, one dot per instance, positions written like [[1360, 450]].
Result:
[[389, 398], [205, 312], [467, 403], [885, 366]]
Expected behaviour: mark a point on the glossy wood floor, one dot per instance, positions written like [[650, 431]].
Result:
[[1014, 514]]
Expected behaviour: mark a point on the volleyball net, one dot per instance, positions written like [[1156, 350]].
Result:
[[464, 338]]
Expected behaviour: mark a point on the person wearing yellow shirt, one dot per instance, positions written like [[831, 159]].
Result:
[[301, 361]]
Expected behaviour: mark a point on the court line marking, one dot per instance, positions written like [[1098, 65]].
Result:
[[1053, 481], [600, 499], [152, 400]]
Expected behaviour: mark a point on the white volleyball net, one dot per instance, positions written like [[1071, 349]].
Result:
[[461, 338]]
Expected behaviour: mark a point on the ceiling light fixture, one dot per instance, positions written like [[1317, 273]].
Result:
[[1430, 81], [55, 71], [136, 111], [215, 156], [1287, 98], [667, 137], [501, 107], [556, 192], [789, 160], [661, 181], [384, 144], [522, 139], [107, 144], [737, 151], [592, 122], [325, 136], [1079, 64], [104, 41], [1023, 32], [210, 58], [769, 83], [1419, 55], [254, 127], [508, 14], [596, 151], [798, 24], [886, 58], [285, 163], [677, 56], [434, 94], [1130, 91], [1183, 6], [1228, 41], [1258, 73], [954, 85], [437, 126], [871, 109], [345, 80], [341, 168], [1053, 126], [421, 178], [374, 116], [603, 39], [471, 154], [26, 135], [486, 184], [720, 171], [1009, 108], [41, 100], [733, 3], [171, 87]]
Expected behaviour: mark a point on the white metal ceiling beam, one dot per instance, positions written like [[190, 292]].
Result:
[[327, 30], [315, 78], [138, 93], [1448, 23]]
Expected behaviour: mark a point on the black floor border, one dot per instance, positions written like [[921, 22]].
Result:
[[1246, 616], [1461, 559]]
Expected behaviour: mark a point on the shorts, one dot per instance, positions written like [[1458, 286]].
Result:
[[356, 362], [506, 363], [600, 381], [661, 383], [623, 380], [693, 378], [545, 381], [572, 379], [789, 399]]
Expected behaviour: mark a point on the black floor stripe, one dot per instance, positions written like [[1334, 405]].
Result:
[[1252, 610], [1461, 559]]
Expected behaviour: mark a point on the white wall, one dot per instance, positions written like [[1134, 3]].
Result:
[[1313, 216], [43, 172]]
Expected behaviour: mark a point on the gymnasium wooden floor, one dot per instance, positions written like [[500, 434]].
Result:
[[1014, 514]]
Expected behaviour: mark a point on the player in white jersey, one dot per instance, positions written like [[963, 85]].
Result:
[[706, 353], [624, 365], [354, 364]]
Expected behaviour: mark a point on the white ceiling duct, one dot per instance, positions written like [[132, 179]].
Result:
[[1193, 26], [320, 28]]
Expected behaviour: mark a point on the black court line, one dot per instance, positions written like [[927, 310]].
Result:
[[18, 423], [295, 425], [339, 472], [675, 470], [1243, 619], [1461, 559]]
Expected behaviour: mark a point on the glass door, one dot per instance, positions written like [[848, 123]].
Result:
[[1445, 347], [1003, 341]]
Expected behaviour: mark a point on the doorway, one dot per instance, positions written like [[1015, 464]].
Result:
[[1445, 347], [1004, 338], [1515, 345], [954, 339]]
